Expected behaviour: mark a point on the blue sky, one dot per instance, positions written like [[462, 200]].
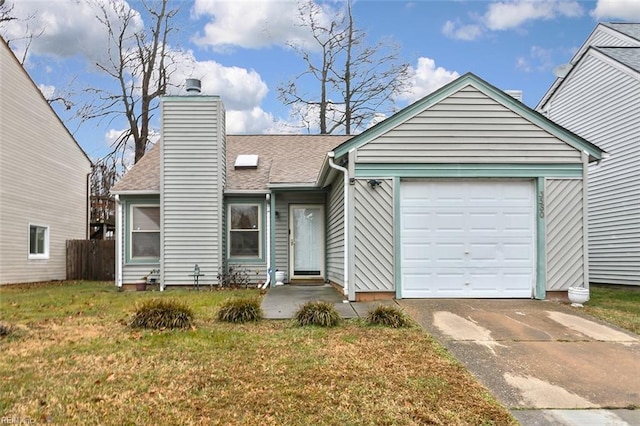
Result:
[[239, 48]]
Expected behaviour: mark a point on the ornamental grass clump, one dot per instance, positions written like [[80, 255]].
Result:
[[388, 316], [240, 310], [161, 314], [318, 313], [6, 330]]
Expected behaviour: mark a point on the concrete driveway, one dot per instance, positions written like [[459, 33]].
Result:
[[546, 361]]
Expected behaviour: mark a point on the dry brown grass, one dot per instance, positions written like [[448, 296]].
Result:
[[92, 369]]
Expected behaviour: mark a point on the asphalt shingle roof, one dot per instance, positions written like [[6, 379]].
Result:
[[629, 56], [630, 29], [283, 159]]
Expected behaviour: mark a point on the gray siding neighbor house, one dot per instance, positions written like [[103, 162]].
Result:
[[43, 181], [598, 98], [465, 193]]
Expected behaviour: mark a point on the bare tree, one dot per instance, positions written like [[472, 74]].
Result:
[[139, 60], [357, 81], [7, 15]]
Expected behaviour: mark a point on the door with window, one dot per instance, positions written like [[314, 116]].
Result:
[[306, 241]]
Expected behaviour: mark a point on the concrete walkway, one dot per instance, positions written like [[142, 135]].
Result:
[[283, 301], [547, 362]]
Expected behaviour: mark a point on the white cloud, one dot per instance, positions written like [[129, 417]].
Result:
[[252, 121], [47, 91], [539, 59], [426, 78], [250, 24], [63, 29], [510, 15], [628, 10], [462, 32], [513, 14]]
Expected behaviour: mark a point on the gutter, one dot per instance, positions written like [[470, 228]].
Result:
[[345, 174], [118, 241]]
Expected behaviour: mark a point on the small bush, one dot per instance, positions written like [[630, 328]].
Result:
[[6, 330], [319, 313], [389, 316], [159, 314], [240, 310]]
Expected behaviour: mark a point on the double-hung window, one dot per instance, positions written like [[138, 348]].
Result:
[[245, 232], [38, 242], [145, 232]]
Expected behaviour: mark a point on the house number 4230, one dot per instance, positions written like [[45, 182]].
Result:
[[541, 204]]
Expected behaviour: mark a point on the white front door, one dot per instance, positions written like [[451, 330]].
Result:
[[306, 241]]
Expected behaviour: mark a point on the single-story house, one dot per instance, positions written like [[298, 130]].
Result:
[[597, 96], [465, 193]]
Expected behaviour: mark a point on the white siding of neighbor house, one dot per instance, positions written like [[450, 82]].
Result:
[[283, 201], [467, 127], [601, 102], [43, 178], [191, 186], [604, 36], [373, 236], [335, 232], [565, 233]]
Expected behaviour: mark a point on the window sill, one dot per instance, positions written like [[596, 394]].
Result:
[[38, 257]]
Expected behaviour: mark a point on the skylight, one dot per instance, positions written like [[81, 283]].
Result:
[[246, 161]]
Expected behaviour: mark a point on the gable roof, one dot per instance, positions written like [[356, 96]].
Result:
[[5, 46], [604, 35], [496, 94], [283, 161], [629, 56]]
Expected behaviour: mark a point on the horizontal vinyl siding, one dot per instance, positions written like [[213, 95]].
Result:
[[467, 127], [564, 234], [192, 180], [283, 200], [605, 37], [335, 232], [43, 179], [373, 237], [601, 103]]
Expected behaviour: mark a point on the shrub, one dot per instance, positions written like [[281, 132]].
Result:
[[159, 314], [240, 310], [6, 330], [319, 313], [389, 316]]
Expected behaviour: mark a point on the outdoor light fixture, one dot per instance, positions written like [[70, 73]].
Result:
[[373, 183]]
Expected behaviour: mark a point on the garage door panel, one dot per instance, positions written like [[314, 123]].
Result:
[[467, 238]]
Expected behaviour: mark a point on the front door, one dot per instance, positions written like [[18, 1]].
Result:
[[306, 240]]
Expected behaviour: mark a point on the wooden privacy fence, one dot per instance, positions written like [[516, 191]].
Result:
[[93, 260]]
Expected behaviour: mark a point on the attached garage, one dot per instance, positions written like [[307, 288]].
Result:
[[467, 238], [467, 193]]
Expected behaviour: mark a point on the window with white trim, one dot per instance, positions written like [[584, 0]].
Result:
[[38, 242], [145, 232], [245, 233]]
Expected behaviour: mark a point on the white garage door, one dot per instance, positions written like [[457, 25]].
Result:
[[467, 239]]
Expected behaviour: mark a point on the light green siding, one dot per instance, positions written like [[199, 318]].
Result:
[[565, 242], [335, 232], [192, 180], [373, 236]]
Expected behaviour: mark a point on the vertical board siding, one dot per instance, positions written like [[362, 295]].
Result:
[[564, 234], [43, 178], [467, 127], [283, 200], [600, 103], [335, 232], [192, 181], [373, 237]]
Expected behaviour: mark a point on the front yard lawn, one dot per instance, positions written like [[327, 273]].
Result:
[[618, 305], [73, 360]]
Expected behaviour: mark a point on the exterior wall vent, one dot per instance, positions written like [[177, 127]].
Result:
[[516, 94], [193, 86]]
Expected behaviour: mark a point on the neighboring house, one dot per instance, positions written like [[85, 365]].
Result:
[[465, 193], [43, 181], [597, 96]]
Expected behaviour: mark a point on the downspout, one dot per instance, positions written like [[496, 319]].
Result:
[[345, 173], [268, 239], [118, 242]]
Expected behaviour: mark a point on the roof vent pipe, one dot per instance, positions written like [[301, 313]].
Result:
[[193, 86]]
